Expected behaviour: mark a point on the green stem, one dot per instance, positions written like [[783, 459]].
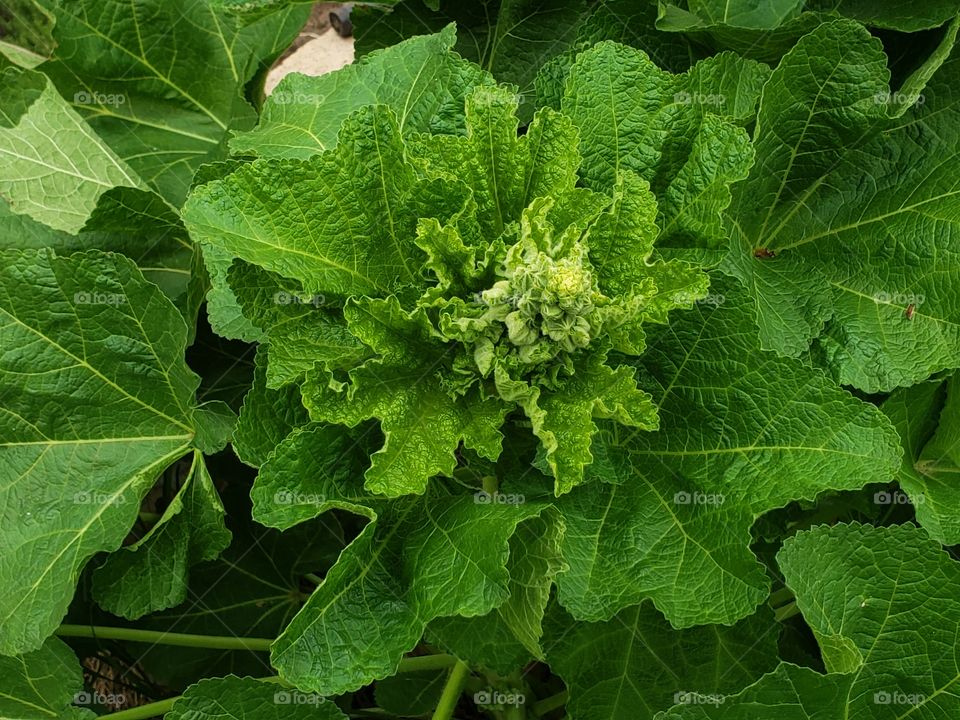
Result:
[[142, 712], [315, 579], [426, 662], [165, 638], [542, 707], [452, 691], [786, 612], [215, 642], [781, 597]]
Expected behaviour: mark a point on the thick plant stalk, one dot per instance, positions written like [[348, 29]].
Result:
[[452, 691]]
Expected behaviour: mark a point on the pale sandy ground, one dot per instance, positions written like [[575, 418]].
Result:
[[319, 55]]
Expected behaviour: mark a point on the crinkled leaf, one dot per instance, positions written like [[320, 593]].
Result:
[[675, 131], [340, 223], [267, 416], [96, 400], [420, 78], [564, 419], [313, 470], [511, 39], [422, 424], [300, 330], [742, 432], [860, 211], [153, 573], [223, 310], [505, 172], [420, 559], [927, 416], [506, 638]]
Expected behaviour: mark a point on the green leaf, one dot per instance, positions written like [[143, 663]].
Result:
[[56, 168], [636, 664], [677, 132], [860, 212], [505, 172], [420, 79], [313, 470], [252, 590], [162, 81], [40, 684], [564, 419], [752, 14], [300, 330], [401, 388], [137, 223], [214, 422], [742, 432], [893, 14], [511, 39], [927, 416], [96, 401], [235, 698], [506, 638], [267, 416], [223, 310], [420, 559], [340, 223], [864, 591], [153, 573]]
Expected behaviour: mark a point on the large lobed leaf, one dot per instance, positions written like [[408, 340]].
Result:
[[860, 211], [882, 604], [96, 401], [742, 432]]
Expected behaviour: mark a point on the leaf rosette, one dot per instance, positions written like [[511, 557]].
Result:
[[479, 276]]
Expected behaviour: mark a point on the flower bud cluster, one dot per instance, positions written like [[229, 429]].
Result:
[[545, 305]]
